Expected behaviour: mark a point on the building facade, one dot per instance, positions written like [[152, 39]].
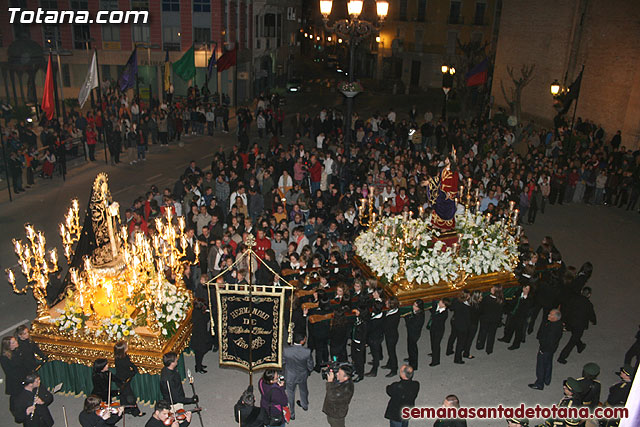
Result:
[[276, 42], [420, 35], [561, 36], [173, 26]]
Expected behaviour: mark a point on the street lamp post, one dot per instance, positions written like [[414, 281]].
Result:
[[353, 29], [447, 83]]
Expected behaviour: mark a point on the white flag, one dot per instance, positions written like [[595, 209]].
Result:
[[90, 82]]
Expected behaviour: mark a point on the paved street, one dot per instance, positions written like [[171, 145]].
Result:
[[605, 236]]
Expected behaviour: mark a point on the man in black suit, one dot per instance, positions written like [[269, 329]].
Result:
[[170, 382], [517, 318], [298, 364], [403, 394], [31, 405], [414, 323], [390, 324], [439, 316], [549, 338], [460, 325], [579, 312], [375, 336]]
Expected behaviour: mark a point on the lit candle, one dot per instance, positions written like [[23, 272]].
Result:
[[461, 189], [421, 210], [512, 204], [515, 216], [373, 217], [478, 206], [489, 217], [455, 248], [519, 230], [10, 277], [410, 214]]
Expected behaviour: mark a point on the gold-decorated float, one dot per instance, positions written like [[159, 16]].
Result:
[[120, 285], [412, 258]]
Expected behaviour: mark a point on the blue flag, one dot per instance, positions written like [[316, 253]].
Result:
[[212, 60], [127, 79]]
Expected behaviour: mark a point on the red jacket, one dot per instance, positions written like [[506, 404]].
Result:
[[91, 137], [316, 172]]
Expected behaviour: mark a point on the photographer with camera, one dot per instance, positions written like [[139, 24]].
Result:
[[273, 400], [339, 393]]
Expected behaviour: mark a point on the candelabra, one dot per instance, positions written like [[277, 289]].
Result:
[[70, 229], [368, 205], [171, 246], [35, 267]]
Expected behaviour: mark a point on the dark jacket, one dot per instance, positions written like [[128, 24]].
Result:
[[27, 351], [461, 316], [338, 398], [172, 377], [101, 385], [249, 416], [42, 417], [415, 322], [549, 336], [579, 312], [490, 310], [403, 393], [14, 373], [390, 326], [91, 419], [437, 322]]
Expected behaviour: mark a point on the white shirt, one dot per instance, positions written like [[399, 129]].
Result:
[[392, 116]]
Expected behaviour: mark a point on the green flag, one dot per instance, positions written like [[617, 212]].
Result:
[[185, 67]]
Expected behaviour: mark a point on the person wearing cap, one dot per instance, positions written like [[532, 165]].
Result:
[[590, 385], [572, 390], [619, 392], [518, 422]]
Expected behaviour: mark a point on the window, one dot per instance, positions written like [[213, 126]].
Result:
[[111, 33], [109, 4], [402, 15], [49, 4], [170, 39], [80, 4], [171, 5], [291, 13], [481, 7], [269, 29], [201, 35], [20, 31], [202, 5], [422, 10], [140, 33], [81, 36], [454, 12], [51, 32], [139, 4], [452, 39]]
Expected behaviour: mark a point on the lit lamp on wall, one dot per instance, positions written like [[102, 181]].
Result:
[[448, 71], [555, 88], [353, 29]]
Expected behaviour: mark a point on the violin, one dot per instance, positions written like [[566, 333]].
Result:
[[179, 415], [112, 408]]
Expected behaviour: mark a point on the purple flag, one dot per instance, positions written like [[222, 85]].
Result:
[[128, 77]]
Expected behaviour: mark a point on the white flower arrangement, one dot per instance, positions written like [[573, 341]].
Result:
[[482, 248], [117, 327], [72, 318], [171, 308]]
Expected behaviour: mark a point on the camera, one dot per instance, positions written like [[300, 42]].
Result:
[[334, 367]]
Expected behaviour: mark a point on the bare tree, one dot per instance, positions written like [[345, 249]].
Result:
[[514, 99]]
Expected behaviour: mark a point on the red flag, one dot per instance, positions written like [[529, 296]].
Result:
[[227, 60], [48, 105]]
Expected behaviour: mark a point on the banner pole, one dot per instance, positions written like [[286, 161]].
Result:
[[250, 243]]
